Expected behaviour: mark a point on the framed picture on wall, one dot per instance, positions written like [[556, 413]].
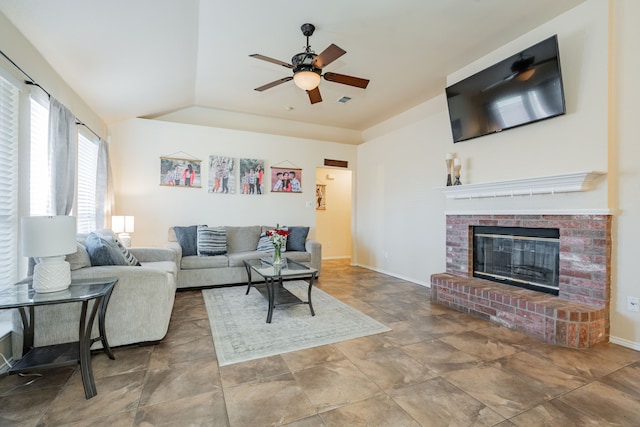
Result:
[[222, 177], [286, 180], [252, 176], [176, 172], [321, 197]]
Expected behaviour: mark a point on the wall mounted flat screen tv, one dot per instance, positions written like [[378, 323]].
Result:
[[522, 89]]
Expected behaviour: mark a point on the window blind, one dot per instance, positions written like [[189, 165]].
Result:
[[8, 183]]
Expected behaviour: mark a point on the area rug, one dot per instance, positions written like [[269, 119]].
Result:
[[240, 331]]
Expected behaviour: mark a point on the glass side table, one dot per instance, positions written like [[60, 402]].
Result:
[[25, 299]]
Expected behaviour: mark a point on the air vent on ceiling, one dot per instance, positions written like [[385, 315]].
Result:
[[344, 99]]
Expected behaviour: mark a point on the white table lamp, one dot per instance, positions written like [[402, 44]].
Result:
[[49, 238], [122, 226]]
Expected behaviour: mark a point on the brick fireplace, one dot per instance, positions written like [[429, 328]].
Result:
[[577, 317]]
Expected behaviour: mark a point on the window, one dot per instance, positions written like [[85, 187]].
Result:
[[39, 182], [8, 182], [86, 192]]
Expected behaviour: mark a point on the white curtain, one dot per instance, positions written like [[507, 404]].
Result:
[[62, 155], [104, 187]]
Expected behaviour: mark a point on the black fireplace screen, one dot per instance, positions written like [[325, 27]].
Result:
[[524, 257]]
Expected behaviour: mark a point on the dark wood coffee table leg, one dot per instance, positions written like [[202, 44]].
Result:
[[271, 294], [248, 278], [313, 313]]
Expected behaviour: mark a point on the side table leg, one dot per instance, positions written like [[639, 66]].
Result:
[[27, 328], [85, 347], [103, 333]]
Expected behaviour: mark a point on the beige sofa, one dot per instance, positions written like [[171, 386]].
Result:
[[242, 243], [139, 309]]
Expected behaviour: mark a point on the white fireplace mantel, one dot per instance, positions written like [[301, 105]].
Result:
[[561, 183]]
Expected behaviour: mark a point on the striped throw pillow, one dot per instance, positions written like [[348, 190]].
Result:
[[128, 256], [212, 241], [264, 244]]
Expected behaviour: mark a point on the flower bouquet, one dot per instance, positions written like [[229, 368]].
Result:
[[278, 237]]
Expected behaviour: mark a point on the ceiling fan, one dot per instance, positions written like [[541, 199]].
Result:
[[307, 68], [522, 69]]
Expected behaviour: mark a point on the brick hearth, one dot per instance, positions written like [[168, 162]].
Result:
[[577, 317]]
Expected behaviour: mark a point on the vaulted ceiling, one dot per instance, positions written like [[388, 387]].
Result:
[[188, 60]]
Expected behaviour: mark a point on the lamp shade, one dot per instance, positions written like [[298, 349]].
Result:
[[46, 236], [307, 80], [122, 224]]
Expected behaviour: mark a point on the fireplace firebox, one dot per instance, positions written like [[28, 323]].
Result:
[[525, 257]]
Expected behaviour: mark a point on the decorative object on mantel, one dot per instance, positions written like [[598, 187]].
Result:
[[560, 183], [456, 170], [449, 161]]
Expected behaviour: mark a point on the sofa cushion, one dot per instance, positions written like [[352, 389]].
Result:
[[195, 262], [188, 239], [79, 259], [303, 257], [237, 259], [166, 266], [297, 238], [104, 251], [212, 241], [242, 239]]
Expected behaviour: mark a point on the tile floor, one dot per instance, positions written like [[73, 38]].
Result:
[[436, 367]]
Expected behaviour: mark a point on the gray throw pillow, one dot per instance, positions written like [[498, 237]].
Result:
[[188, 239], [103, 252], [79, 259], [128, 256], [297, 238]]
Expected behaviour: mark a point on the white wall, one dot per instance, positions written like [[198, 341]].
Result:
[[138, 144], [22, 52], [333, 224], [400, 218], [625, 154], [402, 162]]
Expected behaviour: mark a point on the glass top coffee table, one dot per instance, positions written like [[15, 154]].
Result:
[[273, 288]]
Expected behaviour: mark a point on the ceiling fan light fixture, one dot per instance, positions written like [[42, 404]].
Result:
[[306, 79], [526, 74]]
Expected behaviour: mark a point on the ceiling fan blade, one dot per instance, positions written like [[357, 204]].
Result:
[[274, 83], [346, 80], [328, 55], [314, 95], [274, 61]]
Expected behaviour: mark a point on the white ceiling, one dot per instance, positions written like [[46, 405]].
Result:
[[148, 58]]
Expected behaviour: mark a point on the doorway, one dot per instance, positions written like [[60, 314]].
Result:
[[333, 212]]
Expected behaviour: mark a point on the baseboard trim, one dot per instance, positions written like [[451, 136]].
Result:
[[398, 276], [625, 343]]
